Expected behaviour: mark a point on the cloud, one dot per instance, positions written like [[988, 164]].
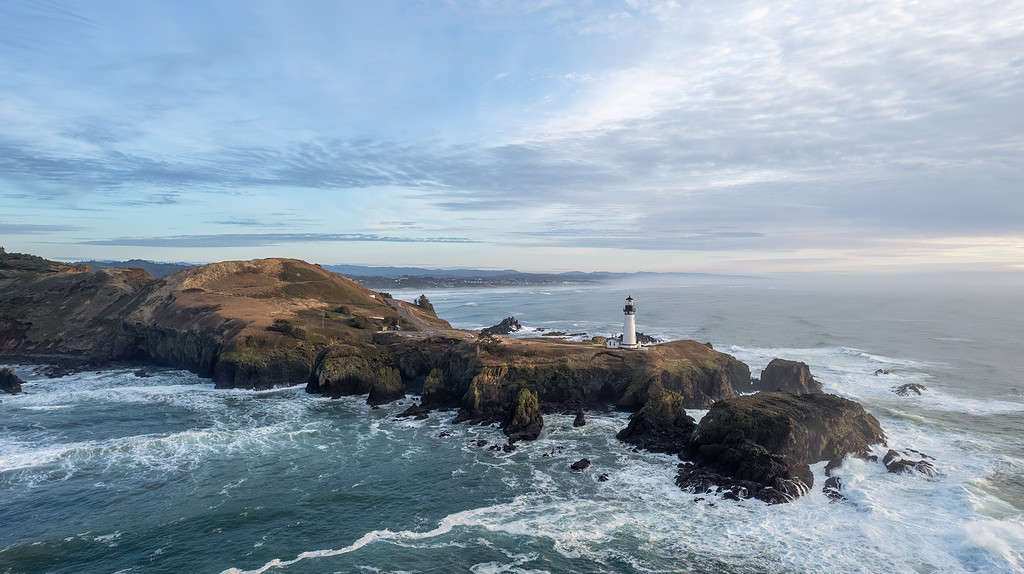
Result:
[[32, 229], [659, 125], [263, 239]]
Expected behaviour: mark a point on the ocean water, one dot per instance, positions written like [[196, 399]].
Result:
[[112, 472]]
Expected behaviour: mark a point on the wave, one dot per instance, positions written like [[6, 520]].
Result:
[[850, 372]]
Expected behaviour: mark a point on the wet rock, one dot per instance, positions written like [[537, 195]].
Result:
[[142, 373], [508, 447], [881, 372], [480, 442], [833, 485], [703, 481], [762, 445], [526, 421], [507, 326], [662, 425], [65, 367], [895, 462], [387, 387], [581, 464], [905, 389], [416, 411], [788, 377], [444, 434], [580, 419], [9, 382], [603, 477], [494, 447]]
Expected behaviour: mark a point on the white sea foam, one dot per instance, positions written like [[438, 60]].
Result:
[[900, 523], [849, 372]]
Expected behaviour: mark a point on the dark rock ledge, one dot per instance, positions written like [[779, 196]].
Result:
[[9, 382]]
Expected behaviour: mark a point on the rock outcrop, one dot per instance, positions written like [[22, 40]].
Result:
[[386, 387], [526, 420], [507, 326], [762, 445], [787, 377], [662, 425], [908, 388], [580, 420], [10, 383], [580, 465], [900, 463]]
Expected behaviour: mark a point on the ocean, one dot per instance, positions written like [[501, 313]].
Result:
[[111, 471]]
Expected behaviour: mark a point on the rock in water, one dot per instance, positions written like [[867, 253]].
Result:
[[763, 445], [506, 326], [895, 462], [662, 425], [833, 485], [581, 464], [788, 377], [386, 387], [906, 389], [9, 382], [580, 419], [418, 412], [526, 421]]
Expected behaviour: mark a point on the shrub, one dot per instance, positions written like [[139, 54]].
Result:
[[360, 322], [285, 327], [423, 303]]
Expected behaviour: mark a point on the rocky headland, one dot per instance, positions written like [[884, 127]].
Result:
[[279, 322]]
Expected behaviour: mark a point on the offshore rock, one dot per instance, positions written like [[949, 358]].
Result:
[[662, 425], [10, 383], [788, 377], [580, 419], [832, 488], [580, 465], [526, 421], [896, 462], [765, 443], [417, 412], [905, 389], [507, 326]]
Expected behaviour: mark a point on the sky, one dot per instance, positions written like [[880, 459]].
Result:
[[540, 135]]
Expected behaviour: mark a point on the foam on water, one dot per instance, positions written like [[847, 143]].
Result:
[[890, 522], [638, 520], [850, 372]]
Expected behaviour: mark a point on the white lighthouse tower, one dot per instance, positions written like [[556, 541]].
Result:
[[629, 325]]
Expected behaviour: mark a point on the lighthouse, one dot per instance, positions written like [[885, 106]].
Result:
[[629, 325]]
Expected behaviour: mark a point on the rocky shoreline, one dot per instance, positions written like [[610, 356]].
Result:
[[272, 322]]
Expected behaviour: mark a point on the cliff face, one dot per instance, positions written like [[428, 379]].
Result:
[[249, 324], [52, 311]]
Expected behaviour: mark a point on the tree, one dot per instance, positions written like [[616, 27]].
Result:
[[423, 303]]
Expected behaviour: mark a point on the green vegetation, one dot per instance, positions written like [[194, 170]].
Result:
[[423, 303], [285, 327], [360, 322]]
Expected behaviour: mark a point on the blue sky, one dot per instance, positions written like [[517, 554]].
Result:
[[546, 135]]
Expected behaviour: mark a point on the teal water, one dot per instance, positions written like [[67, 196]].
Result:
[[111, 472]]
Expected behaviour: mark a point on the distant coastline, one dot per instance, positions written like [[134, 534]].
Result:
[[397, 278]]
